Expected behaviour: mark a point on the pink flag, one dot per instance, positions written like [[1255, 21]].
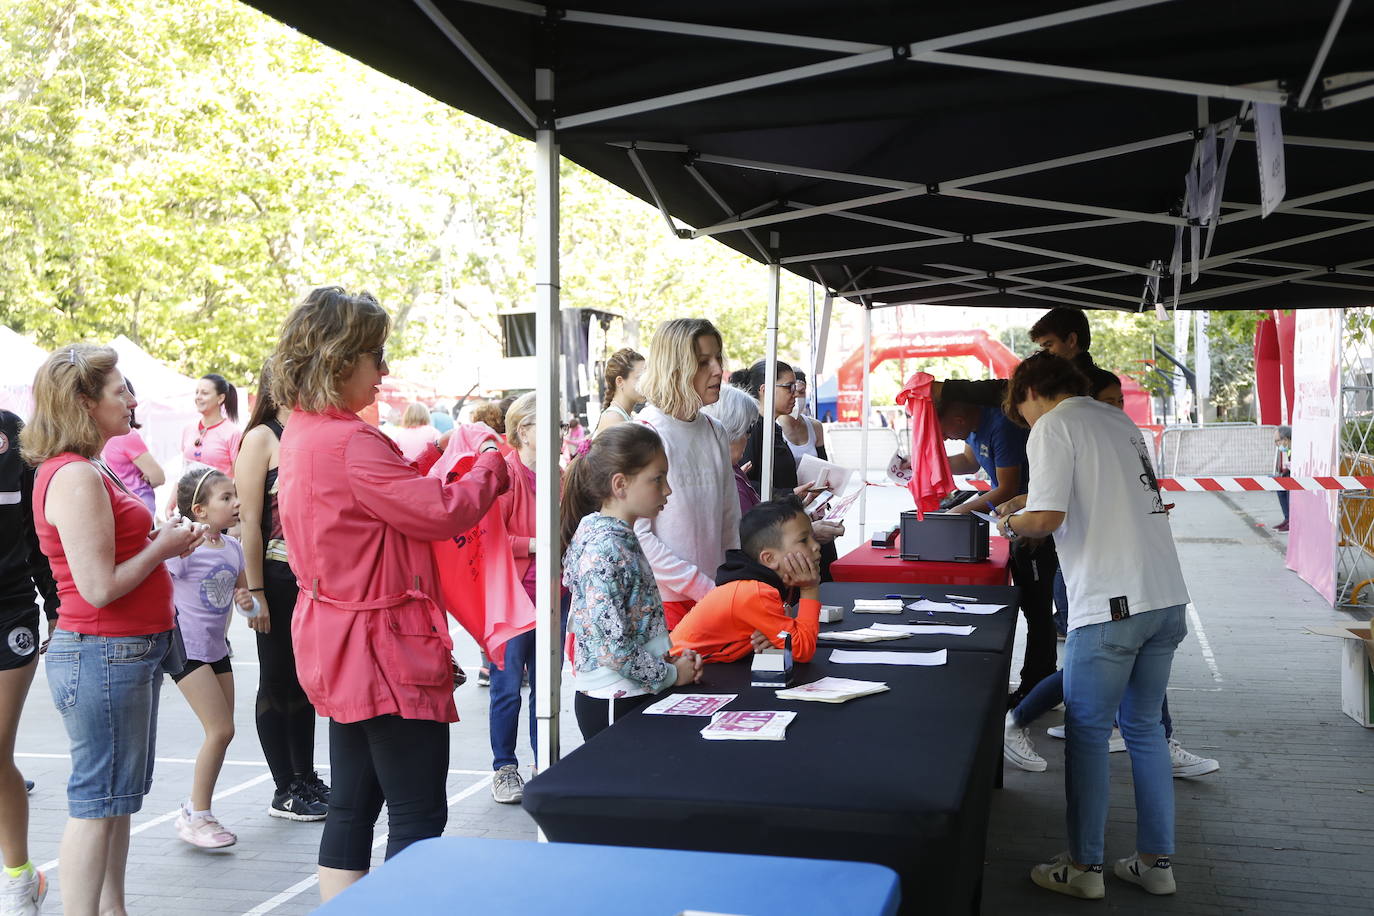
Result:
[[931, 480]]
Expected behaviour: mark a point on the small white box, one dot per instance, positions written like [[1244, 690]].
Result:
[[1357, 671], [831, 613]]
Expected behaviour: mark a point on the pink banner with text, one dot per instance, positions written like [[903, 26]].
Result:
[[1316, 418]]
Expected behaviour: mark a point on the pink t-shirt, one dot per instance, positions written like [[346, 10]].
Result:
[[119, 454], [413, 439], [219, 445]]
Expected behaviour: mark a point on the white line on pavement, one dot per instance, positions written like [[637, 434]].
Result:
[[48, 867], [305, 884], [228, 763], [1201, 634]]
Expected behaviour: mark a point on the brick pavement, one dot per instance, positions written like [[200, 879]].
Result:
[[1287, 826]]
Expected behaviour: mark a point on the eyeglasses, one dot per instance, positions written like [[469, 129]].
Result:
[[379, 354], [790, 386]]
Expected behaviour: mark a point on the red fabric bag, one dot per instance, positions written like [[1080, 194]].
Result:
[[477, 575], [931, 480]]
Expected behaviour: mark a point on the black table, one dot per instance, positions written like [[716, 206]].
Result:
[[994, 633], [901, 778]]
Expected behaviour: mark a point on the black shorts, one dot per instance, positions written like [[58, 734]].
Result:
[[19, 637], [220, 667]]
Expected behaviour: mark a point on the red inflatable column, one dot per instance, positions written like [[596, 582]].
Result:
[[1268, 373], [1287, 323]]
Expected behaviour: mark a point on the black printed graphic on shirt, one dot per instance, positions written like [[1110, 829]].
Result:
[[1147, 477]]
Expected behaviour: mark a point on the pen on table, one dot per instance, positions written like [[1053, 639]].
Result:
[[960, 597]]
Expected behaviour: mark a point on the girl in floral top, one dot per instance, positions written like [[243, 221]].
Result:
[[620, 638]]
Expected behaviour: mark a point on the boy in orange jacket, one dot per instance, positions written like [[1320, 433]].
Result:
[[746, 612]]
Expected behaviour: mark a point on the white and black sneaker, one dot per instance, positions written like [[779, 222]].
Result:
[[315, 786], [297, 803], [1157, 878], [1063, 877]]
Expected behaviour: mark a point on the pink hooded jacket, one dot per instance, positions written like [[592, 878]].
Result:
[[370, 635]]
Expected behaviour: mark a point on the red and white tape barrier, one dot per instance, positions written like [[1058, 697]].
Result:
[[1233, 484]]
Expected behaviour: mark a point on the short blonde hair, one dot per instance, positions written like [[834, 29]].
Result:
[[321, 342], [60, 422], [667, 379], [519, 412], [416, 414]]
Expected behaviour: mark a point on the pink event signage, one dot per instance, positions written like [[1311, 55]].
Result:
[[1316, 420]]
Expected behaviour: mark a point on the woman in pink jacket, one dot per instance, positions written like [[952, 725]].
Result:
[[372, 646]]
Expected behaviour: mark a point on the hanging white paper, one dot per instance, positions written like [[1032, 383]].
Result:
[[1175, 268], [1215, 216], [1207, 174], [1269, 142], [1190, 210], [866, 657]]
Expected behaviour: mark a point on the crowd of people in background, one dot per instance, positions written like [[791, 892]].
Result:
[[316, 527]]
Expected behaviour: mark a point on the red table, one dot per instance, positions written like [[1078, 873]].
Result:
[[866, 563]]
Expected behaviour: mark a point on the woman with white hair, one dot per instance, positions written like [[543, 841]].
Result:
[[737, 412]]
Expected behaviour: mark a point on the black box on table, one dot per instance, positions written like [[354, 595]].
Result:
[[944, 537]]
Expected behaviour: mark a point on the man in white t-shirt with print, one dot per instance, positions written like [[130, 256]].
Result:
[[1093, 487]]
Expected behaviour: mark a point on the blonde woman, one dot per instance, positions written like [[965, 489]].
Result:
[[114, 626], [371, 639], [621, 375], [415, 433], [687, 541]]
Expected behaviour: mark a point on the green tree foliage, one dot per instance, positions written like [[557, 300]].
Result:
[[183, 172]]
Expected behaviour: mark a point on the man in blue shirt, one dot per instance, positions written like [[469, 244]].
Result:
[[998, 446]]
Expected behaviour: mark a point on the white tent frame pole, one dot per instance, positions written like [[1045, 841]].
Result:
[[653, 190], [1231, 257], [1337, 80], [1336, 19], [770, 381], [720, 202], [548, 353], [459, 41], [1105, 77], [1349, 97], [827, 306], [1063, 207], [1298, 203], [863, 424], [1269, 281], [1241, 275], [1366, 146], [818, 210], [730, 87]]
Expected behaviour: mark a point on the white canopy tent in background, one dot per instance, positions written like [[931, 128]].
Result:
[[165, 406], [19, 360]]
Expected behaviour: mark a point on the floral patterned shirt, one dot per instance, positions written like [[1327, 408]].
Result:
[[619, 633]]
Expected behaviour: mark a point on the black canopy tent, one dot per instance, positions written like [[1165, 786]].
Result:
[[1002, 153]]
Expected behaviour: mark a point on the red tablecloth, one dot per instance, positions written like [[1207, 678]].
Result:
[[866, 563]]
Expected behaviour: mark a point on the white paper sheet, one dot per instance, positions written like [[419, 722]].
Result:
[[947, 607], [926, 629], [690, 704], [877, 605], [864, 657], [1269, 139]]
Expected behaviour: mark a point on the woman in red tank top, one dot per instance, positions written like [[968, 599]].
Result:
[[104, 663]]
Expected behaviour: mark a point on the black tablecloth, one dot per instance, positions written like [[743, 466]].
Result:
[[901, 778], [994, 633]]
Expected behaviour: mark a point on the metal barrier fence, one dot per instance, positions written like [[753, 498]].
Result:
[[1216, 450]]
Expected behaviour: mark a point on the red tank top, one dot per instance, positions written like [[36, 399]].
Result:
[[148, 607]]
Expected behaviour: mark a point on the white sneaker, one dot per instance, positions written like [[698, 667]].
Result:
[[1187, 765], [23, 896], [1017, 747], [1062, 877], [506, 785], [1115, 743], [1157, 878]]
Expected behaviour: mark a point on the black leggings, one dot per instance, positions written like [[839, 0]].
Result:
[[1032, 570], [286, 720], [403, 762], [593, 715]]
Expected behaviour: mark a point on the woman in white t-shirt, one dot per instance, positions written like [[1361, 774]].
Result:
[[1093, 487], [687, 541]]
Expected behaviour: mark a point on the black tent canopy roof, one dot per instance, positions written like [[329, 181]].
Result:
[[1004, 153]]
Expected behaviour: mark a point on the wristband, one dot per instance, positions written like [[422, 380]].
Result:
[[1011, 532], [256, 589]]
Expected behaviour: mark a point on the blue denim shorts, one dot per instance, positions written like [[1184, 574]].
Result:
[[106, 688]]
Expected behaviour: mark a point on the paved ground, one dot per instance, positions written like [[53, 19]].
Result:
[[1286, 827]]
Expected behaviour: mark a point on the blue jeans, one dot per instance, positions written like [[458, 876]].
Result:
[[1120, 669], [106, 689], [1049, 693], [503, 717]]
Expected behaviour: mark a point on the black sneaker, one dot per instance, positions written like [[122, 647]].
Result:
[[297, 803], [317, 787]]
